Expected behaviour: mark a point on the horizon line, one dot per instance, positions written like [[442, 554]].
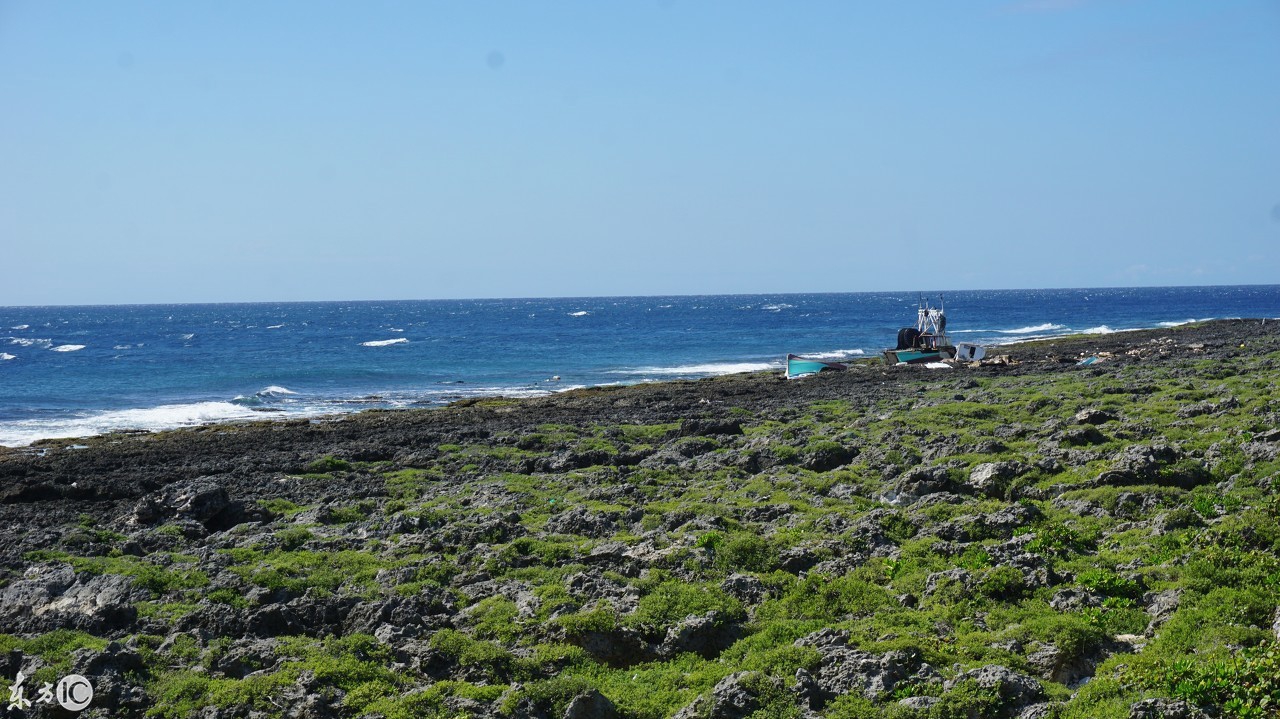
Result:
[[605, 297]]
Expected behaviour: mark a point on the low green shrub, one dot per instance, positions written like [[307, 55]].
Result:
[[328, 464], [1245, 684], [746, 552]]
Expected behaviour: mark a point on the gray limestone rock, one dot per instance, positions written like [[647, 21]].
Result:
[[1161, 606], [706, 636], [844, 669], [1093, 416], [1071, 599], [938, 580], [920, 704], [54, 597], [992, 478], [731, 698], [1164, 709], [1015, 690], [591, 705], [746, 588], [199, 500], [583, 522]]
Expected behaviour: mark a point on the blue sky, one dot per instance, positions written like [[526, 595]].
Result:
[[203, 152]]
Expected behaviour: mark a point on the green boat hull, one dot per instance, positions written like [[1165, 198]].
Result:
[[798, 366], [916, 356]]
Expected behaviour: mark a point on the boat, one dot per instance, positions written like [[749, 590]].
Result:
[[798, 366], [927, 341]]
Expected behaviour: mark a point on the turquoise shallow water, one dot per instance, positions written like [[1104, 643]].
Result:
[[70, 371]]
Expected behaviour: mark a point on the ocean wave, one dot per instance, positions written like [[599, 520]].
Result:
[[1183, 322], [274, 327], [23, 432], [266, 395], [1099, 330], [710, 368], [834, 354], [19, 327], [188, 336], [384, 343], [579, 313], [26, 342], [777, 308], [66, 348], [1046, 327], [6, 356]]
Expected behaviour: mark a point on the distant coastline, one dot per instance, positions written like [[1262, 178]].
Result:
[[1026, 349], [83, 371]]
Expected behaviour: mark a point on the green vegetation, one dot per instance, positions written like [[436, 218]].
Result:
[[519, 565], [328, 464], [55, 649], [302, 570]]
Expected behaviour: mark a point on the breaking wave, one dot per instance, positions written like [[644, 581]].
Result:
[[26, 342], [265, 396], [1183, 322], [1046, 327], [710, 368], [834, 354], [384, 343], [23, 432]]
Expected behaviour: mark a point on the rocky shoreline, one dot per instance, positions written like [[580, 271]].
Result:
[[1025, 537]]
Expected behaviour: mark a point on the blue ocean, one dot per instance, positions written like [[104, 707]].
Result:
[[77, 371]]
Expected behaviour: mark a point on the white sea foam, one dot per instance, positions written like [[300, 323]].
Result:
[[834, 354], [778, 307], [67, 348], [274, 327], [579, 313], [711, 368], [264, 396], [19, 327], [189, 336], [6, 356], [395, 329], [384, 343], [1046, 327], [23, 432], [1183, 322], [122, 347], [1099, 330], [26, 342]]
